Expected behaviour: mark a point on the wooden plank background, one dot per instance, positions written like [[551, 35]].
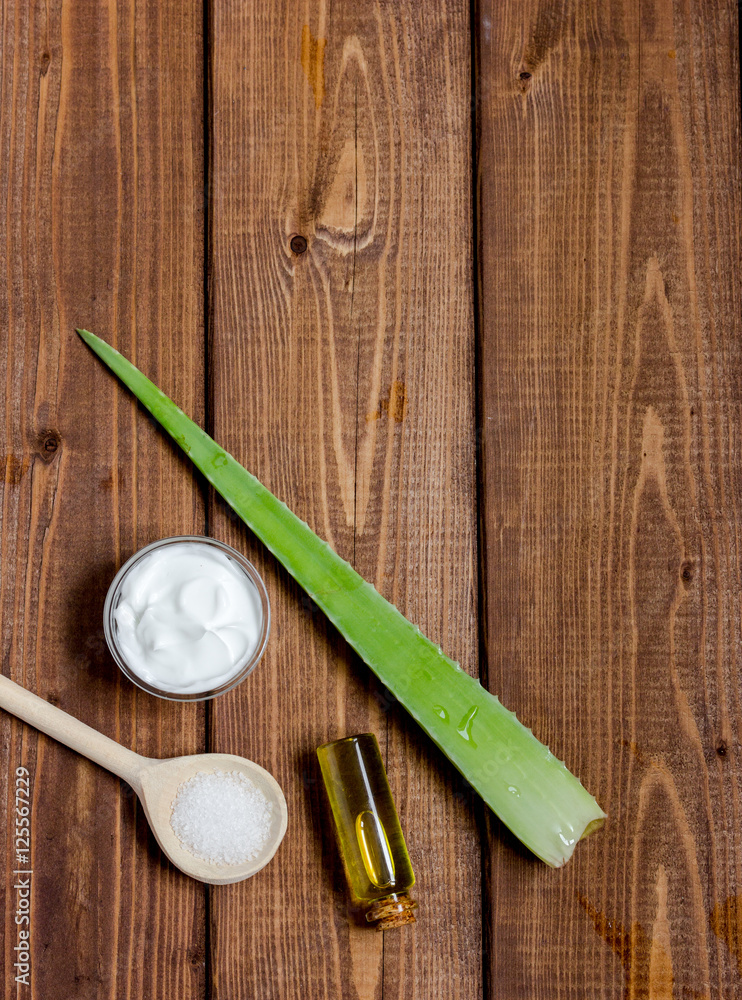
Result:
[[344, 380], [461, 285], [610, 376], [101, 146]]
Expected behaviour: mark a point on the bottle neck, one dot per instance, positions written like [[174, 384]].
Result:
[[394, 910]]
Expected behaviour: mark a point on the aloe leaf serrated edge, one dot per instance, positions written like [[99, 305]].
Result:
[[532, 792]]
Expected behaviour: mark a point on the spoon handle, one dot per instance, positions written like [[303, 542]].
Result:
[[70, 731]]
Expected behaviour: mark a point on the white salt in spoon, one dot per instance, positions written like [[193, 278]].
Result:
[[156, 782]]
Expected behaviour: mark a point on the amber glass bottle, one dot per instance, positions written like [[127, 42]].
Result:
[[372, 846]]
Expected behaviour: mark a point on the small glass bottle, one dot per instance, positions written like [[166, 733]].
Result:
[[372, 846]]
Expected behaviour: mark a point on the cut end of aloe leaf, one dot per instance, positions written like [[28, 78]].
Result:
[[594, 825], [532, 792]]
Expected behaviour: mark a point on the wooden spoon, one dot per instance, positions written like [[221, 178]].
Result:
[[155, 781]]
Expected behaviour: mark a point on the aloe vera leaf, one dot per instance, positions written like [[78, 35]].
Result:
[[532, 792]]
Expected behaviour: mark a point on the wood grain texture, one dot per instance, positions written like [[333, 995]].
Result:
[[340, 369], [341, 376], [101, 145], [609, 182]]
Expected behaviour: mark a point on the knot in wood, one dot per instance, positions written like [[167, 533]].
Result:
[[49, 442], [298, 244], [524, 81]]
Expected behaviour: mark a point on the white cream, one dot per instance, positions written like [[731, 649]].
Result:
[[188, 617]]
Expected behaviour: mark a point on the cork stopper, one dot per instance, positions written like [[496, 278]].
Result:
[[392, 911]]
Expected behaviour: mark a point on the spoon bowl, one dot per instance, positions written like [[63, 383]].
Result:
[[157, 785], [156, 782]]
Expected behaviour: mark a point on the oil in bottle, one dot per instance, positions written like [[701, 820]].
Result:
[[370, 838]]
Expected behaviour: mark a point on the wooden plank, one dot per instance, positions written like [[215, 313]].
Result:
[[102, 203], [341, 375], [611, 348]]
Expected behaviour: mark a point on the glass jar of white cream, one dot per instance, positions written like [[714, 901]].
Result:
[[187, 618]]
